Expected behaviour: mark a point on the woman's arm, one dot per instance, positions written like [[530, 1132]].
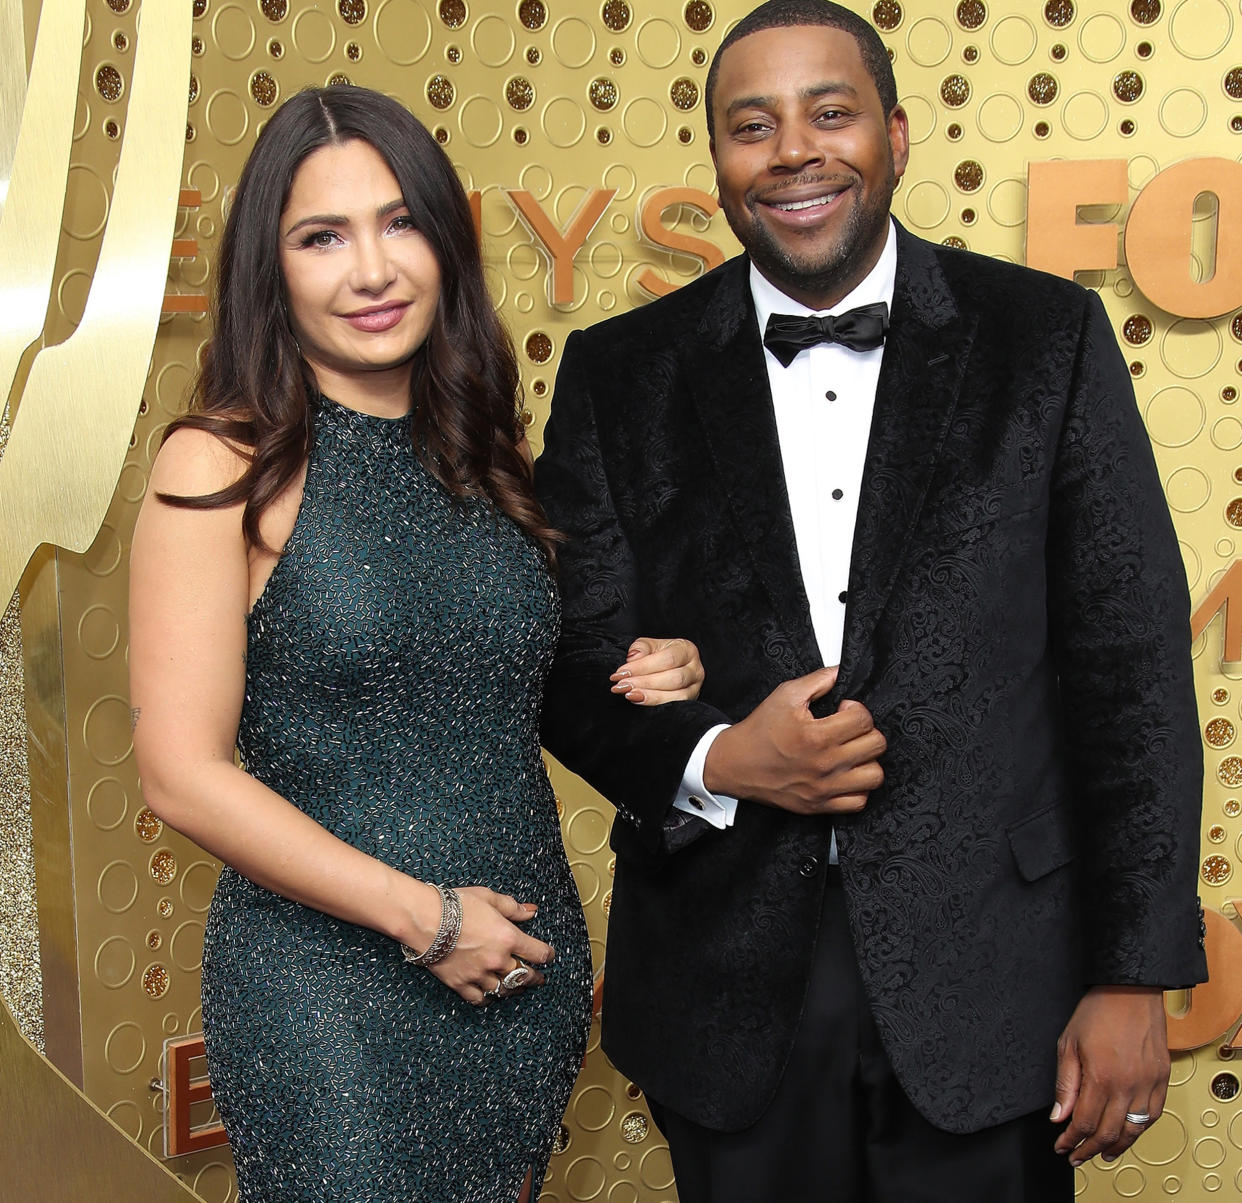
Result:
[[190, 589]]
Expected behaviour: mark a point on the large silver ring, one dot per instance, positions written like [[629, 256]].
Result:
[[1141, 1118], [515, 979]]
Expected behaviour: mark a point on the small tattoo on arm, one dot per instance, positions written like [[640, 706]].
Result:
[[134, 714]]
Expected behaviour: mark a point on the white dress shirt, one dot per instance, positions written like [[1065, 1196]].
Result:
[[823, 404]]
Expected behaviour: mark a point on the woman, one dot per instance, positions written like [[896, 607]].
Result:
[[340, 570]]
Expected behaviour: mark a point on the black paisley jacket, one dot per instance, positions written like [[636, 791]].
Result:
[[1017, 623]]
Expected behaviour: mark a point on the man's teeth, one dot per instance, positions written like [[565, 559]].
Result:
[[794, 206]]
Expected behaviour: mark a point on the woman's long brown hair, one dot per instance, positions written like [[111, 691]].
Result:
[[255, 391]]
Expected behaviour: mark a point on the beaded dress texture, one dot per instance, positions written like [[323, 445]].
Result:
[[395, 668]]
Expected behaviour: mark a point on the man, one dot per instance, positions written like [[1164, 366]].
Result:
[[915, 867]]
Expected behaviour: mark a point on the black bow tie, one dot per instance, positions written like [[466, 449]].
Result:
[[860, 329]]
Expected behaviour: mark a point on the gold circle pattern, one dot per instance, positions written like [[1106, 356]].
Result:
[[1137, 329], [1230, 771], [108, 82], [1233, 83], [353, 12], [155, 981], [1219, 733], [1216, 870], [684, 93], [698, 15], [440, 92], [886, 14], [532, 13], [263, 88], [274, 10], [163, 867], [520, 93], [1233, 512], [1059, 13], [453, 13], [1145, 12], [538, 347], [602, 93], [971, 14], [616, 15], [968, 175], [1042, 88], [955, 90], [148, 825], [1128, 86]]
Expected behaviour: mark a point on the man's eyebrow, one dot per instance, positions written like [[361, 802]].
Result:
[[811, 92]]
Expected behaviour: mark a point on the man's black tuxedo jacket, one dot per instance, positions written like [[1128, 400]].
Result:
[[1017, 623]]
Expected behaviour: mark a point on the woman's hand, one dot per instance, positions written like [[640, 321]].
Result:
[[490, 946], [658, 671]]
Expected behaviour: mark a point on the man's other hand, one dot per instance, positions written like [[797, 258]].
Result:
[[781, 755]]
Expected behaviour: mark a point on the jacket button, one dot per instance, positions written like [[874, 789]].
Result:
[[808, 866]]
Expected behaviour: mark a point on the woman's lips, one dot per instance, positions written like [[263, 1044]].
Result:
[[375, 321]]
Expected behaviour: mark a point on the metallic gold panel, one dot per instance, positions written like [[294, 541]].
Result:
[[563, 100]]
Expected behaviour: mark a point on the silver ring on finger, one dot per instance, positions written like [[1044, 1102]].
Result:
[[516, 978], [1139, 1118]]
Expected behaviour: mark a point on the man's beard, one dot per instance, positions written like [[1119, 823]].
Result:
[[865, 227]]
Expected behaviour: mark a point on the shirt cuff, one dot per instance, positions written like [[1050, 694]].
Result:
[[693, 796]]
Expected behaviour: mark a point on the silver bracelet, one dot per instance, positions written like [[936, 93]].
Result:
[[446, 934]]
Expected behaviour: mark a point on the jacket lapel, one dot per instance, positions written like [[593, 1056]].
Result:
[[729, 384], [925, 356]]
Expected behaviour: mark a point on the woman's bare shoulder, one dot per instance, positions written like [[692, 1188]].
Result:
[[194, 462]]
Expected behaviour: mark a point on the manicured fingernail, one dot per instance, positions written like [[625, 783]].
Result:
[[1110, 1157], [633, 653], [635, 695], [1056, 1112], [623, 687]]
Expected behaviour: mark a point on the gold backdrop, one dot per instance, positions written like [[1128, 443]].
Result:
[[579, 123]]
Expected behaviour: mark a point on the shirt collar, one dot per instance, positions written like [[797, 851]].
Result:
[[877, 286]]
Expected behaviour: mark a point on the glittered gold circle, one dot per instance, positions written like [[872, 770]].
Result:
[[453, 13], [1042, 88], [1042, 129], [193, 88], [263, 88], [155, 981], [616, 56], [561, 1141], [1225, 1087], [698, 56], [886, 14], [971, 13], [1058, 53], [1143, 49], [698, 15], [163, 867], [968, 175], [532, 13], [108, 82], [111, 129], [164, 908], [1127, 86], [520, 136], [1235, 124], [606, 902], [602, 93], [196, 45], [520, 93], [121, 42], [1137, 368], [148, 825], [684, 93], [353, 52], [968, 217], [274, 10], [1229, 393], [154, 940], [338, 79], [1220, 696], [616, 15], [1216, 870], [1219, 733], [441, 135], [538, 347], [1145, 11], [1235, 326], [1127, 127], [1233, 83], [1233, 512], [200, 7], [275, 49], [539, 388], [1230, 771], [955, 90], [634, 1128], [970, 54], [1137, 329], [353, 12], [958, 244], [685, 135], [1059, 12], [440, 91], [1216, 834], [122, 6], [953, 132], [603, 135]]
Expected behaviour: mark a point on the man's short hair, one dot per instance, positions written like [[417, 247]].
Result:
[[781, 14]]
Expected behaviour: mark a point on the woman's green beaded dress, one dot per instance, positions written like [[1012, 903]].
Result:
[[395, 669]]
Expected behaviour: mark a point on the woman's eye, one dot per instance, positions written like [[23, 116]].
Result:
[[319, 238]]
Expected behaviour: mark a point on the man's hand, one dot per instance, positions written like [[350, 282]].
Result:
[[781, 755], [1112, 1058]]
